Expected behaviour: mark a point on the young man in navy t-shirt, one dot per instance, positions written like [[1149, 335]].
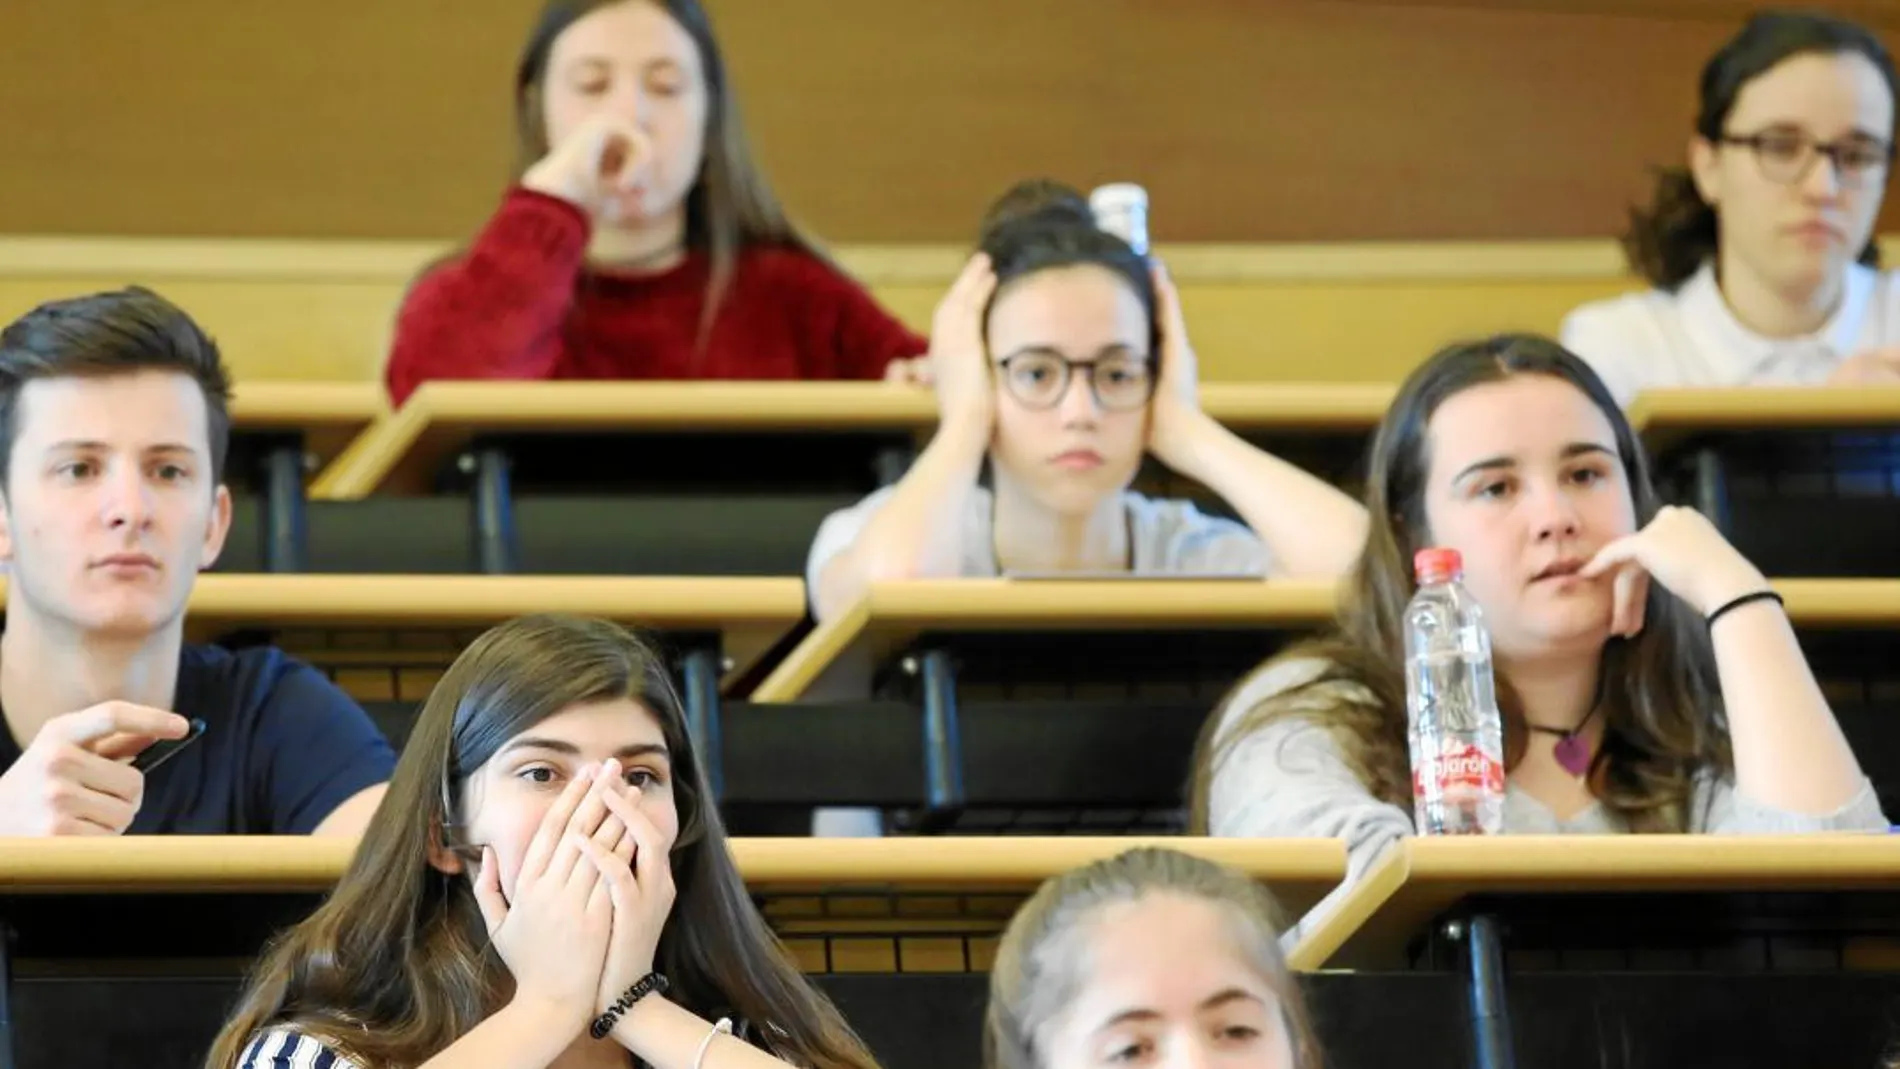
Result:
[[113, 433]]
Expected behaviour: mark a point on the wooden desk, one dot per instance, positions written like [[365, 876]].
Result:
[[1664, 418], [403, 449], [329, 415], [892, 614], [1300, 871], [1421, 879], [751, 614]]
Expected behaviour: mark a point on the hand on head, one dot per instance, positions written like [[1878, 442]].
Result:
[[959, 358], [1177, 395], [76, 776]]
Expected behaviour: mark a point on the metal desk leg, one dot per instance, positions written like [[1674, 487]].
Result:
[[6, 995], [284, 509], [700, 672], [943, 741], [1490, 1016], [493, 503], [1711, 487]]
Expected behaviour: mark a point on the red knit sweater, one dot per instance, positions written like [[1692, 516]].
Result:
[[520, 304]]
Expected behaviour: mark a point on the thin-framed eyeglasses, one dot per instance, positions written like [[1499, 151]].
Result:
[[1040, 379], [1786, 156]]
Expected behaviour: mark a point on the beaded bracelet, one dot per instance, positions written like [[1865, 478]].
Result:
[[646, 985]]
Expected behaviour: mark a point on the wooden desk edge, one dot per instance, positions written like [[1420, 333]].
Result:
[[369, 458], [794, 675], [1350, 912]]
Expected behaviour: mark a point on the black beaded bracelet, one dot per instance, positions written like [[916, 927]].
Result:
[[1758, 595], [646, 985]]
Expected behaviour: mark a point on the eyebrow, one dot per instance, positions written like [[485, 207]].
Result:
[[535, 742], [1212, 1002], [80, 445], [1104, 353], [1503, 463]]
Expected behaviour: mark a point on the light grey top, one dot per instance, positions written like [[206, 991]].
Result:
[[1289, 780], [1168, 537]]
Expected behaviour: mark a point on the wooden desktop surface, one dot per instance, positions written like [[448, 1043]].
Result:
[[1422, 878], [892, 614], [751, 614], [1300, 871], [329, 415], [402, 451], [1665, 418]]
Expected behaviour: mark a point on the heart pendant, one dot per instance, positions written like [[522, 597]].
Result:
[[1573, 753]]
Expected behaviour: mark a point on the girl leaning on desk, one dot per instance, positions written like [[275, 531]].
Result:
[[1632, 627], [546, 884], [1060, 357]]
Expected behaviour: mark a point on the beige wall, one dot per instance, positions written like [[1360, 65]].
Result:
[[882, 120]]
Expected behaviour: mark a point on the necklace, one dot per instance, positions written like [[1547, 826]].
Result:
[[1572, 752]]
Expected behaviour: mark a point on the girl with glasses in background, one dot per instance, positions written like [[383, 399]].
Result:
[[1060, 356], [1761, 251]]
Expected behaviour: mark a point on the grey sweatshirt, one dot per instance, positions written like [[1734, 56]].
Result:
[[1289, 780]]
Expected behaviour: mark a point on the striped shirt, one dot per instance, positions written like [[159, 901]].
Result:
[[281, 1048]]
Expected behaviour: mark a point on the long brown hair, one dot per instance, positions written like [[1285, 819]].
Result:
[[1040, 963], [1668, 241], [731, 204], [396, 964], [1662, 707]]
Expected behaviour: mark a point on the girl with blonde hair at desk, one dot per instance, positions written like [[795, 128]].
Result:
[[547, 884], [1761, 251], [1153, 957], [642, 240], [1619, 624], [1060, 357]]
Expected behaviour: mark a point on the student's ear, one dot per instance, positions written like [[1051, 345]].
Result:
[[216, 528], [1704, 170], [441, 858]]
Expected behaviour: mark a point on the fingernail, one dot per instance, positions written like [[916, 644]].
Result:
[[609, 769]]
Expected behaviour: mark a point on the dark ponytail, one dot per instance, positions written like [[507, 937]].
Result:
[[1043, 225], [1668, 241]]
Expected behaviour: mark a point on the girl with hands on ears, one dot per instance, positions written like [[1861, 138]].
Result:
[[642, 240], [1631, 627], [1061, 359], [549, 885]]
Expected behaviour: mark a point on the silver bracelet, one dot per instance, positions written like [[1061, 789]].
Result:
[[724, 1027]]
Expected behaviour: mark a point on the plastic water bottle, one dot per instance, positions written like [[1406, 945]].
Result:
[[1457, 735], [1121, 208]]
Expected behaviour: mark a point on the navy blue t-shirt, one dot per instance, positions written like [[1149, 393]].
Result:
[[282, 748]]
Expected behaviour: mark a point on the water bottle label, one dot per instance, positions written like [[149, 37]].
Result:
[[1458, 770]]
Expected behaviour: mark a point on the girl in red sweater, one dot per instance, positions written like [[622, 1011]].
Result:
[[645, 243]]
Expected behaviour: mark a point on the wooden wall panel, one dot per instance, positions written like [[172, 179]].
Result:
[[882, 120]]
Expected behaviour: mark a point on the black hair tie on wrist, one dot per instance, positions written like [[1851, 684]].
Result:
[[1759, 595], [646, 985]]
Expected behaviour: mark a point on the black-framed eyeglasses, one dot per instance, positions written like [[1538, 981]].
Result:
[[1786, 156], [1040, 380]]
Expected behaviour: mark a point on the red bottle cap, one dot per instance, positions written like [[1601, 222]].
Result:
[[1436, 565]]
